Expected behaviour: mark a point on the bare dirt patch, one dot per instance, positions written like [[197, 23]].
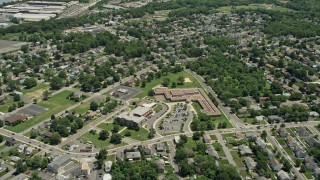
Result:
[[36, 94], [187, 80]]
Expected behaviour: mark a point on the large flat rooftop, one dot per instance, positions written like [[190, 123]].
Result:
[[190, 95]]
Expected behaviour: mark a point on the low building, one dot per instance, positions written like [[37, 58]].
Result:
[[85, 169], [135, 117], [10, 141], [15, 119], [312, 141], [245, 150], [260, 143], [177, 139], [207, 139], [133, 156], [160, 147], [56, 166], [302, 132], [160, 163], [291, 141], [107, 166], [274, 118], [250, 163], [283, 133], [275, 165], [282, 175]]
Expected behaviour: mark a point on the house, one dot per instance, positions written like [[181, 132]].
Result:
[[56, 166], [274, 118], [176, 139], [282, 175], [15, 119], [21, 148], [3, 99], [10, 141], [244, 150], [211, 151], [29, 150], [312, 141], [269, 153], [160, 163], [85, 169], [190, 161], [160, 147], [302, 132], [107, 166], [259, 118], [316, 172], [283, 133], [299, 152], [250, 163], [309, 162], [275, 165], [314, 114], [255, 107], [291, 141], [260, 143], [251, 135], [132, 156], [238, 135], [207, 139]]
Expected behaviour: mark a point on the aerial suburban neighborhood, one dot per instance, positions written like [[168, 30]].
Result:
[[160, 89]]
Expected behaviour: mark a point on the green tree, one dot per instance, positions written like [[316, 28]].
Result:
[[55, 139], [103, 135], [33, 134], [264, 135], [45, 95], [56, 83], [35, 175], [276, 88], [287, 166], [101, 157], [30, 83], [25, 48], [94, 106], [20, 166], [115, 139]]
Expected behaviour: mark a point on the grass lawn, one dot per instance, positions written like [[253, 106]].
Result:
[[308, 174], [108, 126], [216, 120], [288, 151], [39, 86], [225, 136], [230, 8], [173, 78], [55, 104], [281, 141], [94, 138], [157, 108], [219, 149], [140, 135], [237, 159], [4, 107], [213, 137], [223, 162], [2, 173], [83, 108], [111, 158], [191, 143]]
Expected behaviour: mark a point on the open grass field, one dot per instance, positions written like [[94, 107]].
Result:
[[216, 120], [237, 159], [55, 104], [36, 88], [108, 126], [173, 78], [94, 138], [218, 148], [253, 7], [140, 135], [83, 108], [4, 107]]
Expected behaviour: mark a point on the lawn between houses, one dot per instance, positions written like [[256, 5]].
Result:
[[220, 119], [173, 78], [55, 104]]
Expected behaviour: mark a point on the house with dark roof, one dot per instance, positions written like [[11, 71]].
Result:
[[302, 132], [311, 141], [275, 165], [283, 133], [245, 150], [299, 152], [10, 141]]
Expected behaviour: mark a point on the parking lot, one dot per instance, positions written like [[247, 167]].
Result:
[[124, 92], [175, 121]]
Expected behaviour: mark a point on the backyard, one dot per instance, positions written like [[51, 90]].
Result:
[[173, 78], [55, 104]]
